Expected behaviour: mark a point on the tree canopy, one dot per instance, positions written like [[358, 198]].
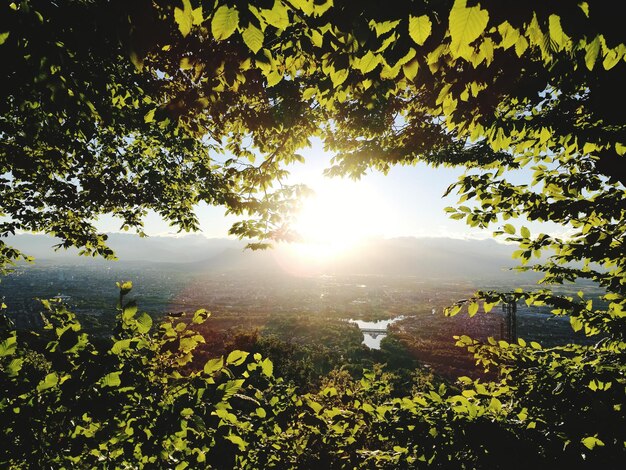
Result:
[[124, 107]]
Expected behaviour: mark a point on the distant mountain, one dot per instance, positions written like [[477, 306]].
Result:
[[435, 257], [130, 247], [432, 258]]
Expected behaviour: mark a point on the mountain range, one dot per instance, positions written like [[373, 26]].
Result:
[[434, 258]]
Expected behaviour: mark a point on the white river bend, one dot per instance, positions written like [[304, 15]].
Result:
[[374, 331]]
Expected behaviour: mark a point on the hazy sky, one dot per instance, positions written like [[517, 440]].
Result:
[[406, 202]]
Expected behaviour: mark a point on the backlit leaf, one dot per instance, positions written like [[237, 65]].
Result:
[[267, 367], [48, 381], [253, 37], [557, 36], [144, 323], [111, 380], [224, 22], [368, 62], [213, 365], [8, 346], [591, 441], [184, 18], [149, 116], [230, 388], [466, 25], [410, 69], [278, 16], [419, 28], [236, 357], [472, 309]]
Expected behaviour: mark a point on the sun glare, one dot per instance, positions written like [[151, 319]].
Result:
[[337, 218]]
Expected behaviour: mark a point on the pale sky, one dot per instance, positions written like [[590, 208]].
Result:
[[405, 202]]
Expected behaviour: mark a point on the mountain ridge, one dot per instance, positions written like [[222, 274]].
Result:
[[433, 257]]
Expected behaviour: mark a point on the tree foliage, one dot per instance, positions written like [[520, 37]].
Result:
[[70, 400], [123, 107]]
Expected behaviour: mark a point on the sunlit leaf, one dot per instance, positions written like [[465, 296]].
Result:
[[591, 442], [236, 357], [184, 17], [419, 28], [267, 367], [49, 381], [253, 37], [214, 365], [144, 323], [224, 23], [112, 380], [466, 25], [591, 52]]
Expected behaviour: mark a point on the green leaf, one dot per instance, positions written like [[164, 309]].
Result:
[[278, 16], [125, 287], [472, 309], [49, 381], [591, 52], [317, 38], [200, 316], [410, 69], [144, 323], [465, 25], [197, 16], [338, 76], [558, 37], [576, 323], [14, 367], [495, 405], [236, 357], [611, 59], [230, 388], [214, 365], [368, 62], [4, 37], [120, 346], [591, 441], [130, 309], [309, 93], [305, 5], [509, 34], [136, 60], [316, 407], [525, 232], [238, 441], [8, 346], [584, 6], [224, 22], [508, 228], [383, 27], [112, 379], [267, 367], [419, 28], [253, 38], [149, 116], [452, 311], [184, 18]]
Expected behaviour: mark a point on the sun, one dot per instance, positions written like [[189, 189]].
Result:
[[338, 217]]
